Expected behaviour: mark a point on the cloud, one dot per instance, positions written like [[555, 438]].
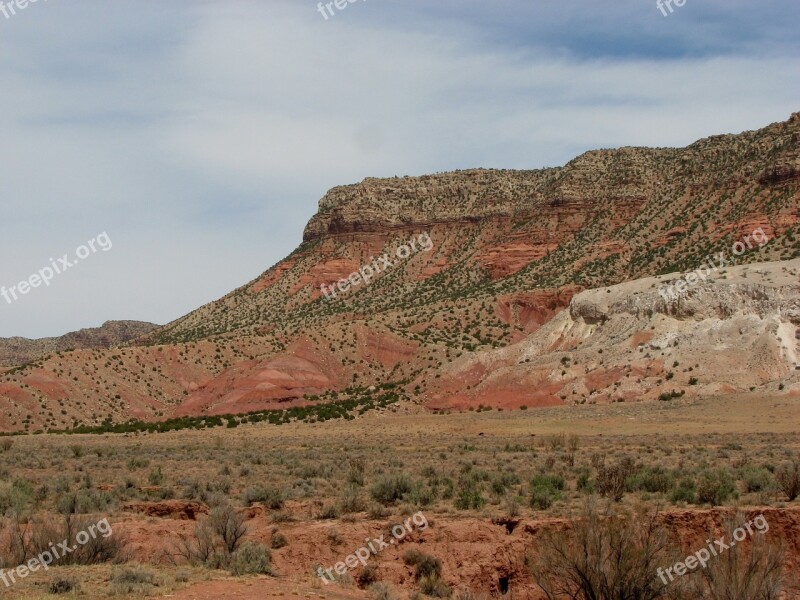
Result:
[[201, 136]]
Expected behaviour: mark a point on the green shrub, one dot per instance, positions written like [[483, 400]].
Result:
[[356, 470], [585, 484], [469, 496], [683, 492], [651, 479], [715, 487], [156, 477], [756, 479], [545, 490], [250, 559], [423, 496], [503, 481], [269, 496], [391, 488]]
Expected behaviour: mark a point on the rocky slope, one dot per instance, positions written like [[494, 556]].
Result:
[[19, 351], [508, 251], [737, 331]]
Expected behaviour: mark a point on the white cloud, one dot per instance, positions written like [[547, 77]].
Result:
[[203, 141]]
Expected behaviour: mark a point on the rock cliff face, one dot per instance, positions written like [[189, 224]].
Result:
[[738, 332], [510, 251]]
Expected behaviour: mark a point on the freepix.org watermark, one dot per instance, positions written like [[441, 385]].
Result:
[[373, 547], [327, 8], [665, 5], [704, 555], [56, 552], [9, 9], [56, 267], [422, 243], [676, 289]]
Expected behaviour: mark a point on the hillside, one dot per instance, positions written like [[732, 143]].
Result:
[[19, 351], [738, 331], [492, 257]]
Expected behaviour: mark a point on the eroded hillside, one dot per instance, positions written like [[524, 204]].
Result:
[[509, 250]]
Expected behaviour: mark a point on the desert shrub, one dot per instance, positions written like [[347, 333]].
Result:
[[198, 548], [156, 476], [377, 511], [194, 490], [356, 471], [684, 491], [752, 571], [715, 487], [424, 565], [502, 482], [432, 585], [422, 496], [28, 541], [611, 480], [381, 591], [221, 486], [83, 502], [756, 479], [788, 478], [367, 576], [250, 559], [6, 444], [546, 489], [269, 496], [556, 441], [277, 540], [14, 498], [133, 580], [351, 500], [391, 488], [469, 495], [584, 484], [62, 585], [651, 479], [229, 525], [328, 511], [613, 556], [334, 537], [136, 463]]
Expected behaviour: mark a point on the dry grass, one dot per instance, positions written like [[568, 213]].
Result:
[[519, 464]]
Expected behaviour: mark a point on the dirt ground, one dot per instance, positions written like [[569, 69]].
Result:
[[482, 550]]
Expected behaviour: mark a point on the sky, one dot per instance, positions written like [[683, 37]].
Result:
[[198, 137]]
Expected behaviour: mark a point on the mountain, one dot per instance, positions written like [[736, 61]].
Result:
[[460, 266], [17, 351]]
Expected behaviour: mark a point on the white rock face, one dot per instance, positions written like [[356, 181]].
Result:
[[737, 332]]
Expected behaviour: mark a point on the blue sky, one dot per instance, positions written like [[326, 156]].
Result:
[[201, 135]]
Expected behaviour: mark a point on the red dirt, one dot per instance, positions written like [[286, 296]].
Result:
[[475, 553]]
